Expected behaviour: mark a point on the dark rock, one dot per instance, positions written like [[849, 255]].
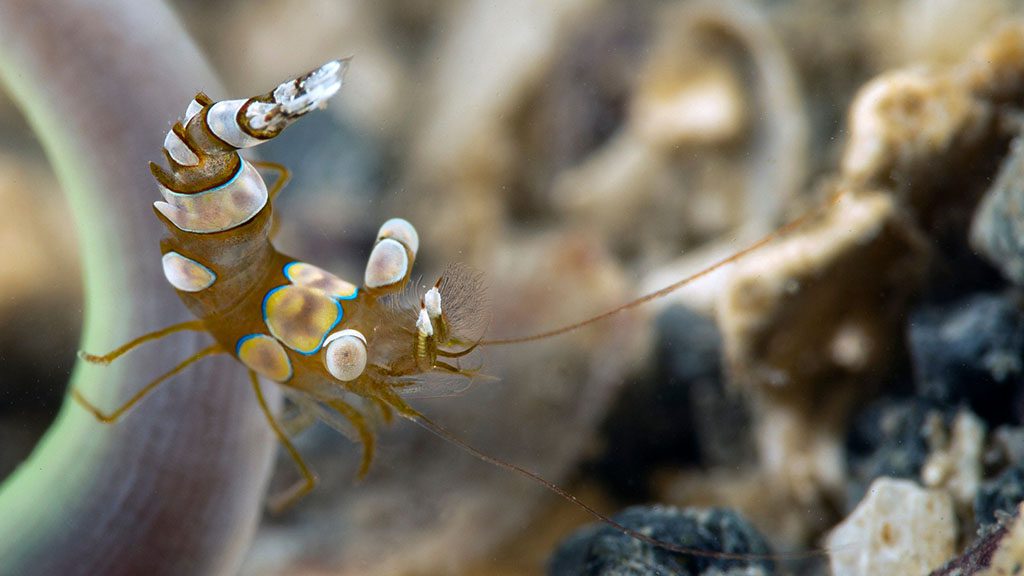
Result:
[[997, 231], [589, 86], [573, 553], [690, 356], [34, 371], [969, 352], [681, 414], [890, 438], [1001, 494], [603, 550], [1006, 448]]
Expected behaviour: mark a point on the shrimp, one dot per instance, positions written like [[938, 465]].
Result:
[[338, 350]]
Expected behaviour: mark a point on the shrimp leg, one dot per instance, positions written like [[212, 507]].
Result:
[[111, 417], [366, 436], [289, 497], [284, 175], [109, 357]]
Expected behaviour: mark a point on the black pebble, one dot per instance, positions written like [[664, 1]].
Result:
[[1003, 493], [678, 414], [600, 550], [890, 438], [971, 352]]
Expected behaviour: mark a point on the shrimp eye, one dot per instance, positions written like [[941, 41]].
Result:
[[345, 354]]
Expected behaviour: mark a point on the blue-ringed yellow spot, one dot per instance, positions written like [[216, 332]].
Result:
[[310, 276], [300, 317], [265, 356]]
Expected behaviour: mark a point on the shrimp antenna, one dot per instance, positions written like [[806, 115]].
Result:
[[779, 232], [443, 433]]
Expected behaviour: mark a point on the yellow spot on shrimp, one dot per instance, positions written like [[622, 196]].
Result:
[[265, 356], [300, 317]]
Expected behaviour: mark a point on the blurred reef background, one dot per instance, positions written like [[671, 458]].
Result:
[[857, 384]]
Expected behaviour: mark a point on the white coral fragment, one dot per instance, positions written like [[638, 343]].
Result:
[[956, 463], [899, 528]]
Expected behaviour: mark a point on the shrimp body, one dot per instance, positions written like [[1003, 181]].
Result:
[[268, 310], [341, 346]]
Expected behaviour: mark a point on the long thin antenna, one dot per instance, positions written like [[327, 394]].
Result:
[[781, 231], [444, 434]]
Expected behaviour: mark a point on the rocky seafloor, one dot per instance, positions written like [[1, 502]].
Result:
[[904, 415]]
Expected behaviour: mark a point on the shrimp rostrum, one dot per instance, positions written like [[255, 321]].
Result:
[[340, 348]]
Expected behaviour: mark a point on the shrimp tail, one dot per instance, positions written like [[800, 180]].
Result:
[[247, 123], [209, 186]]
